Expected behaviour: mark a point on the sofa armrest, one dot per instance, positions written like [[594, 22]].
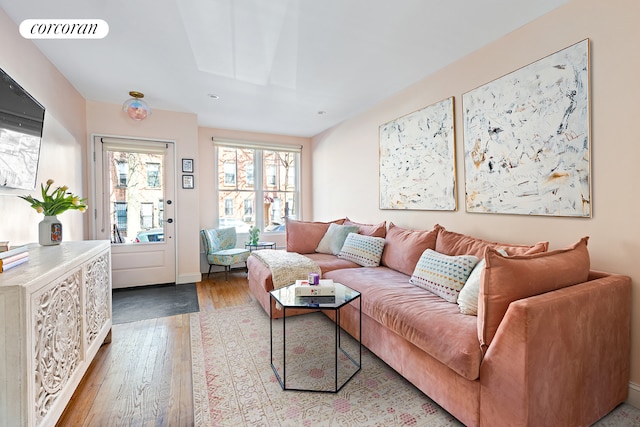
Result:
[[560, 358]]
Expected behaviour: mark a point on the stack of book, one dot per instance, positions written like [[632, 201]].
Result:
[[13, 258], [324, 288]]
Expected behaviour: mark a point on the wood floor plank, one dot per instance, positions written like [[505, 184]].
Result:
[[143, 377]]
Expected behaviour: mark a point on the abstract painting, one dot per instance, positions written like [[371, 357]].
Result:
[[526, 139], [417, 160]]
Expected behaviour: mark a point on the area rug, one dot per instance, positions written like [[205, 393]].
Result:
[[234, 384], [154, 301]]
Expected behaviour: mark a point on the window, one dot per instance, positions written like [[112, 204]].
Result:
[[153, 175], [123, 172], [257, 185], [146, 216], [250, 175], [120, 220], [228, 207], [161, 213], [229, 174], [248, 209]]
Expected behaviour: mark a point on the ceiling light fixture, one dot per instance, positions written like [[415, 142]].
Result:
[[135, 107], [214, 96]]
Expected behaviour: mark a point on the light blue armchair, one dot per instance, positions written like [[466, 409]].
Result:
[[220, 249]]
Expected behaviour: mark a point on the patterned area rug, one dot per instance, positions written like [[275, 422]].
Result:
[[234, 384]]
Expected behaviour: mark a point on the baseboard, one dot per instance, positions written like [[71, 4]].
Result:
[[634, 395], [189, 278]]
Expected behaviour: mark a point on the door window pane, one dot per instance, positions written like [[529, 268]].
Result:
[[137, 206]]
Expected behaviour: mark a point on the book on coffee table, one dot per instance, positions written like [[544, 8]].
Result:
[[324, 288]]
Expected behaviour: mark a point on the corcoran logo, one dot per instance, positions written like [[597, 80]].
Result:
[[64, 29]]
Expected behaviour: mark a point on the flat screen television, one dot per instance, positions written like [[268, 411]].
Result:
[[21, 121]]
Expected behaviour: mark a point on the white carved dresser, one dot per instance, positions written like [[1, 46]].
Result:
[[55, 313]]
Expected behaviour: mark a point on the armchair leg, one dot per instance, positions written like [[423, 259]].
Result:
[[227, 269], [209, 271]]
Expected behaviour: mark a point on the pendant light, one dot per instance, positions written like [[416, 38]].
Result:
[[135, 107]]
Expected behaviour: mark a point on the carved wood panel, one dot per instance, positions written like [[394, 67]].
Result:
[[97, 302], [57, 340]]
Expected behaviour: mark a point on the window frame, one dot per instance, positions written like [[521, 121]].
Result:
[[259, 187]]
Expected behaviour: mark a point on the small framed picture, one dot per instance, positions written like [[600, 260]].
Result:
[[187, 181], [187, 165]]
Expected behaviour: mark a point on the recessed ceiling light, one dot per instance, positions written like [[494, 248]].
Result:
[[213, 96], [322, 112]]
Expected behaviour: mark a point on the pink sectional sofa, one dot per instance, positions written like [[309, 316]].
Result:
[[548, 345]]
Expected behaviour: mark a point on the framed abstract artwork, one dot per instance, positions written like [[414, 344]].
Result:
[[417, 160], [526, 139]]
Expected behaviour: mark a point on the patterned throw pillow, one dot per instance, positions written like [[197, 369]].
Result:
[[334, 238], [363, 250], [444, 275], [468, 298]]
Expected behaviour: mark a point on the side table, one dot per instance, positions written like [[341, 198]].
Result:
[[342, 373], [260, 245]]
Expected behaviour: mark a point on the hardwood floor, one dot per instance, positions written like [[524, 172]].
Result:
[[143, 377]]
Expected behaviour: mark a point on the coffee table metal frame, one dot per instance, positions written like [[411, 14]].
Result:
[[287, 299]]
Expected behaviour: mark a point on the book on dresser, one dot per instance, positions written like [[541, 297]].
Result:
[[13, 258]]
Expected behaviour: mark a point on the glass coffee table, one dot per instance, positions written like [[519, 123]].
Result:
[[316, 353]]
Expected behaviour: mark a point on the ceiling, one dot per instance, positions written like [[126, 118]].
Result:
[[293, 67]]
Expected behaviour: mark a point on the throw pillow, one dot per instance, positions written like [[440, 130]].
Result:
[[404, 247], [334, 238], [363, 250], [451, 243], [303, 236], [375, 230], [507, 279], [468, 298], [442, 274]]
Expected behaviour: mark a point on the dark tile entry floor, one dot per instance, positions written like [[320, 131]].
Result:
[[151, 302]]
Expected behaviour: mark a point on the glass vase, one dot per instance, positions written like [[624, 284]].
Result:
[[50, 231]]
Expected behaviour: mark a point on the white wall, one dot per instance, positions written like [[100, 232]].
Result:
[[350, 150], [108, 119], [63, 147]]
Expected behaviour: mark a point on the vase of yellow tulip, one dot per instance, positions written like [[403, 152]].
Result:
[[52, 204]]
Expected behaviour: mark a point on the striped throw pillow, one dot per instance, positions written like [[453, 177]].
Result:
[[444, 275], [363, 250]]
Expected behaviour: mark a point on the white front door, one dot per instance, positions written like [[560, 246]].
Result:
[[134, 208]]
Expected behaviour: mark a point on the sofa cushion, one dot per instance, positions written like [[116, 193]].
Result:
[[444, 275], [334, 238], [507, 279], [403, 247], [468, 297], [451, 243], [422, 318], [303, 236], [375, 230], [328, 262], [363, 250]]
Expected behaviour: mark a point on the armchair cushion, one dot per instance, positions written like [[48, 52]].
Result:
[[228, 256]]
